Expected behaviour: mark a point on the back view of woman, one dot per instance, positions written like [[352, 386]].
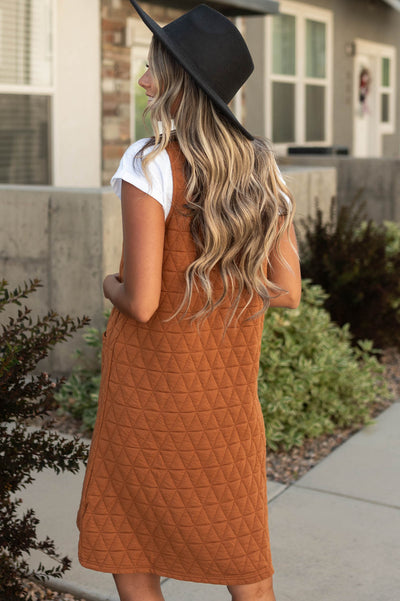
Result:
[[176, 480]]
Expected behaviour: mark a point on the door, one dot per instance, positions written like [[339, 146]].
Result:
[[367, 139]]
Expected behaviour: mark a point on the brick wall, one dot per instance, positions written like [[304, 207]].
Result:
[[115, 78]]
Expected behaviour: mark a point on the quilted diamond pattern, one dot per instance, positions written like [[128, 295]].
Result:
[[176, 482]]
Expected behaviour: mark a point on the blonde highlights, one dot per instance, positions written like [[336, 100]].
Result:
[[235, 196]]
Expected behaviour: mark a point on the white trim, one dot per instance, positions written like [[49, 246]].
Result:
[[6, 88], [302, 12], [1, 38], [54, 79], [77, 98]]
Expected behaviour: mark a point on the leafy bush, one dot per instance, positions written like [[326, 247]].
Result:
[[358, 264], [79, 395], [311, 380], [24, 395]]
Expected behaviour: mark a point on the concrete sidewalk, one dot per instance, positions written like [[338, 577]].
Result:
[[335, 534]]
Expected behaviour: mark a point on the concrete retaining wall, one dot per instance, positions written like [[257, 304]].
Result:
[[71, 238], [374, 181]]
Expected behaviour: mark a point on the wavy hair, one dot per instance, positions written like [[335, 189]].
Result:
[[234, 196]]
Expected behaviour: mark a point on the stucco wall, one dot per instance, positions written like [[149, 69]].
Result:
[[77, 100]]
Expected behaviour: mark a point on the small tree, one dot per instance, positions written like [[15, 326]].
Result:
[[24, 395]]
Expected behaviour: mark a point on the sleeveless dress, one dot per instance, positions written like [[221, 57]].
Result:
[[176, 477]]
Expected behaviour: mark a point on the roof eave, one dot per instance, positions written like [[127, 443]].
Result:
[[230, 8]]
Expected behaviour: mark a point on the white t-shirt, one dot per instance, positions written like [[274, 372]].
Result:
[[161, 188]]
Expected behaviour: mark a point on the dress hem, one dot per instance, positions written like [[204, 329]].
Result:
[[176, 575]]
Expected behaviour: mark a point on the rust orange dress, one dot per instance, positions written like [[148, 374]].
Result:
[[176, 478]]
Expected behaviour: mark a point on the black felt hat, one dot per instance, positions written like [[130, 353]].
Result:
[[211, 49]]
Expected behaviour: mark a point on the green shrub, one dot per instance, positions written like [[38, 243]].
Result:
[[312, 380], [25, 395], [358, 264], [79, 395]]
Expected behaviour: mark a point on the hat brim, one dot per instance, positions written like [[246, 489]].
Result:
[[184, 60]]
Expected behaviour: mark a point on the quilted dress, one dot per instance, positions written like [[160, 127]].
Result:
[[176, 478]]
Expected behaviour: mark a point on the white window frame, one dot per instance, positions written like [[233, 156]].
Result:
[[301, 12], [33, 90]]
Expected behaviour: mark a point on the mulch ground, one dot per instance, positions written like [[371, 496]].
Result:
[[35, 592], [282, 466]]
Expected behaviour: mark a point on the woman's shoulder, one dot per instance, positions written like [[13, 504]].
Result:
[[134, 154], [156, 182], [136, 147]]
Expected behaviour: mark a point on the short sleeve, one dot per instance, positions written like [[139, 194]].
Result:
[[284, 196], [130, 170]]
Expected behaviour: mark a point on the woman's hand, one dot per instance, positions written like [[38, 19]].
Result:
[[109, 283]]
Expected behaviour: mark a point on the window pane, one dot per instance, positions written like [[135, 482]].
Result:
[[386, 72], [315, 49], [24, 139], [283, 124], [315, 113], [26, 42], [142, 130], [385, 108], [284, 45]]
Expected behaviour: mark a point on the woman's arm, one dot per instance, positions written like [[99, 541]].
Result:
[[143, 223], [287, 279]]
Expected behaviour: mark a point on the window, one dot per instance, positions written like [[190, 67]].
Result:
[[138, 38], [26, 89], [387, 90], [299, 75], [139, 128]]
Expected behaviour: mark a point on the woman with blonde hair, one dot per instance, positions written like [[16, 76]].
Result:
[[175, 484]]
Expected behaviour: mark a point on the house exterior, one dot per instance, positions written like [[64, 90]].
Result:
[[69, 102], [330, 76], [326, 75]]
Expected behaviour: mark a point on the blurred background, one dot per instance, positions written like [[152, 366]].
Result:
[[324, 92]]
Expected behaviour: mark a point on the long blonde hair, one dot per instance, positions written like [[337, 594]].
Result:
[[234, 193]]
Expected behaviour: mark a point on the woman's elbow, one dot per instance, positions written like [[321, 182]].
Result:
[[294, 299], [143, 312], [294, 303], [290, 300]]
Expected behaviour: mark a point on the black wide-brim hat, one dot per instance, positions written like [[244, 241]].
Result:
[[211, 49]]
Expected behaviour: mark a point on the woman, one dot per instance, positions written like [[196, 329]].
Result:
[[176, 483]]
